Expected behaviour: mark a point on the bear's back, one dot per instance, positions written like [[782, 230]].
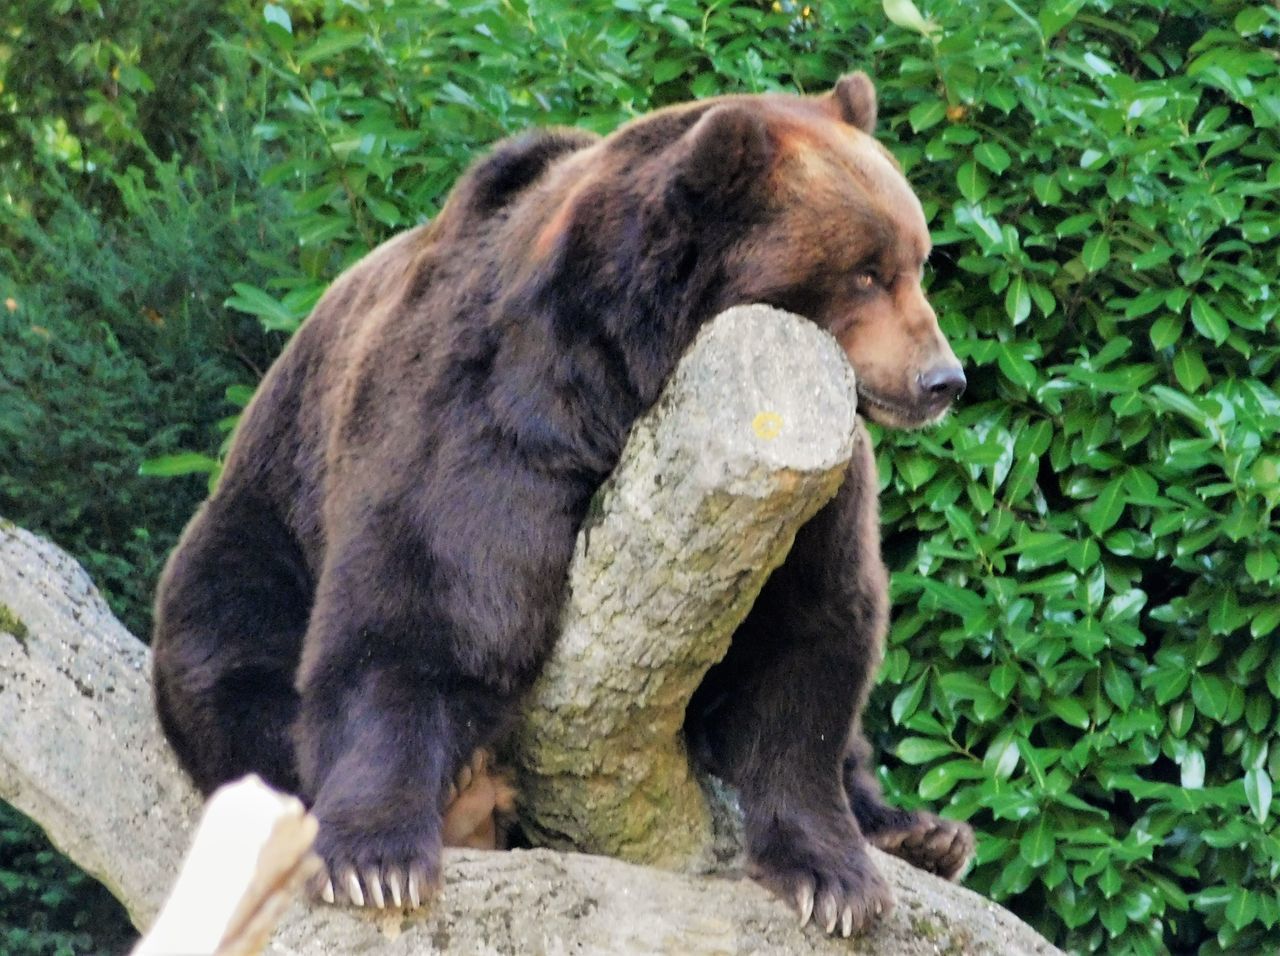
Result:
[[378, 350]]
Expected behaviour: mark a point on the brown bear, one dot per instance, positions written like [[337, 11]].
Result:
[[361, 604]]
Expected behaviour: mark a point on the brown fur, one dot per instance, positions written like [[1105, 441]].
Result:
[[360, 606]]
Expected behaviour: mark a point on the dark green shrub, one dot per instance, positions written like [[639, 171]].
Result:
[[95, 87], [116, 348], [47, 906]]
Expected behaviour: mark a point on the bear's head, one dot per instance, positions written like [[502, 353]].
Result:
[[785, 200]]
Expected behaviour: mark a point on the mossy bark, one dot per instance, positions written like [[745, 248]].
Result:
[[751, 436]]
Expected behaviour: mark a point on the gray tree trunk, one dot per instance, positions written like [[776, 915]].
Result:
[[750, 438]]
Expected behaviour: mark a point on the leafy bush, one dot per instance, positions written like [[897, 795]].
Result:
[[1085, 658], [117, 348], [95, 87], [47, 906], [1085, 553], [377, 108]]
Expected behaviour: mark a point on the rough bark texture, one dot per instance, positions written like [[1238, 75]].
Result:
[[756, 446], [750, 438]]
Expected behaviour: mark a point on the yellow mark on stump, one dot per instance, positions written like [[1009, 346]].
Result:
[[767, 425]]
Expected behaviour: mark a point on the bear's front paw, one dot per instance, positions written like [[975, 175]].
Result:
[[930, 843], [841, 890], [375, 855], [364, 877]]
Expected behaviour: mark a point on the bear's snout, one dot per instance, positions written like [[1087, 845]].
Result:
[[942, 384]]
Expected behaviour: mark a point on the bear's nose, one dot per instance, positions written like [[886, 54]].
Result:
[[943, 383]]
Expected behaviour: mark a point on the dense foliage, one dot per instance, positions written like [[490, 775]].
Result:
[[120, 232], [1089, 665], [1085, 553]]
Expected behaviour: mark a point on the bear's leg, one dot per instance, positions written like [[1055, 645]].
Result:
[[774, 716], [924, 840], [429, 624], [385, 757], [774, 723], [231, 611]]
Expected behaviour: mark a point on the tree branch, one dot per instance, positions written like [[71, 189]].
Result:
[[750, 438]]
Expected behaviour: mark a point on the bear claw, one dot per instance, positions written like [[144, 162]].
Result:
[[352, 884], [373, 882], [479, 798], [828, 912], [393, 886], [374, 887], [804, 901], [415, 898], [841, 893]]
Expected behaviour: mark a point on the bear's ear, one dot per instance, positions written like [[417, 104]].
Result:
[[855, 100], [724, 152]]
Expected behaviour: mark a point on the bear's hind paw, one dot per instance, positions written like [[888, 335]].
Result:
[[479, 805], [930, 843]]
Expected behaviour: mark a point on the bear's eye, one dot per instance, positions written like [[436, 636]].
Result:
[[866, 280]]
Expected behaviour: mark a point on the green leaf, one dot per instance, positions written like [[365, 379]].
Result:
[[1189, 369], [1153, 257], [907, 700], [1015, 367], [1017, 300], [1056, 14], [1118, 684], [1096, 253], [1073, 225], [1107, 506], [1178, 402], [329, 46], [1071, 711], [1242, 907], [1208, 321], [1047, 190], [993, 156], [941, 780], [1004, 679], [1192, 769], [1038, 549], [1210, 694], [1257, 789], [972, 181], [185, 463], [278, 15], [905, 14], [274, 316], [1043, 299], [1262, 565], [1252, 19], [1037, 843], [239, 395], [916, 750], [916, 469], [1264, 622], [927, 114]]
